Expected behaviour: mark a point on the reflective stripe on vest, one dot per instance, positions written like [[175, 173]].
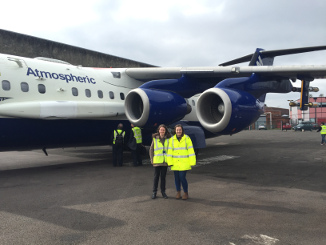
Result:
[[185, 148], [160, 151], [137, 135], [323, 129], [181, 155]]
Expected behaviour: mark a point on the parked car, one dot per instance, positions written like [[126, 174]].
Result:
[[316, 126], [286, 127], [262, 127], [303, 127]]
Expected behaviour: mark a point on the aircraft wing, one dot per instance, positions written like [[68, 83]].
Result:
[[291, 72]]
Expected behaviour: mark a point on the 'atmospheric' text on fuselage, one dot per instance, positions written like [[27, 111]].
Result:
[[66, 77]]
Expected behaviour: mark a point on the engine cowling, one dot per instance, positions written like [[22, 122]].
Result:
[[227, 111], [148, 107]]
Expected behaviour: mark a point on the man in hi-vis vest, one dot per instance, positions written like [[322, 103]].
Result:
[[135, 145], [322, 130], [117, 145], [181, 156]]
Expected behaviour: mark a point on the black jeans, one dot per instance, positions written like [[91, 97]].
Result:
[[159, 171], [117, 151], [136, 156]]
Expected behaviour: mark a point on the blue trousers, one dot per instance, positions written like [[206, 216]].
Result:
[[180, 179], [323, 138]]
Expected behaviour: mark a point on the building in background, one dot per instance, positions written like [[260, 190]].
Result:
[[276, 117], [260, 121], [313, 114], [273, 117]]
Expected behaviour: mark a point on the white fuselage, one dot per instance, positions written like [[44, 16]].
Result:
[[32, 88], [39, 98]]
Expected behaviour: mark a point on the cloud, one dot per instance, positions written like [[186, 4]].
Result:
[[178, 33]]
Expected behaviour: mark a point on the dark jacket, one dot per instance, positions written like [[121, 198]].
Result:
[[132, 143]]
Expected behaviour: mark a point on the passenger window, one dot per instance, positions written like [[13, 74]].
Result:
[[111, 95], [24, 87], [122, 96], [87, 93], [74, 91], [41, 88], [5, 85], [100, 94]]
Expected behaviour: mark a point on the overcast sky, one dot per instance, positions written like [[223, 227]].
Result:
[[179, 33]]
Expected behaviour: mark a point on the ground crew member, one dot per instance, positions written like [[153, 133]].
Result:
[[135, 145], [181, 156], [322, 130], [117, 146], [158, 155]]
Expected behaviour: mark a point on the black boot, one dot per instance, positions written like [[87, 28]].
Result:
[[164, 195], [154, 195]]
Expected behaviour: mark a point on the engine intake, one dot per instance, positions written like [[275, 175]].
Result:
[[227, 111], [148, 107], [214, 109]]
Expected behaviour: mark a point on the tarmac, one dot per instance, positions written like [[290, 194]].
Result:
[[255, 187]]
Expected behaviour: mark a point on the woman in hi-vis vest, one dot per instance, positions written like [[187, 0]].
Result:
[[158, 155], [181, 156]]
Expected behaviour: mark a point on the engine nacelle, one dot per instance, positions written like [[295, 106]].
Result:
[[227, 111], [148, 107]]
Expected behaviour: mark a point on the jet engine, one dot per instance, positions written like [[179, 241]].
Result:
[[149, 107], [227, 111]]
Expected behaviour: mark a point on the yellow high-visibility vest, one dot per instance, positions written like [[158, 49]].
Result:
[[160, 151], [323, 129], [181, 154], [137, 135], [115, 134]]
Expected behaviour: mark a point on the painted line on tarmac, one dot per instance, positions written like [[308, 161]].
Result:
[[261, 239], [221, 143], [215, 159]]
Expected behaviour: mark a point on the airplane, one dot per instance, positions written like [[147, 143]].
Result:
[[48, 103]]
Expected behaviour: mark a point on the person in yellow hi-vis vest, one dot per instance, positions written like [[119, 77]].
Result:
[[117, 145], [181, 156], [322, 130], [158, 155], [135, 143]]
